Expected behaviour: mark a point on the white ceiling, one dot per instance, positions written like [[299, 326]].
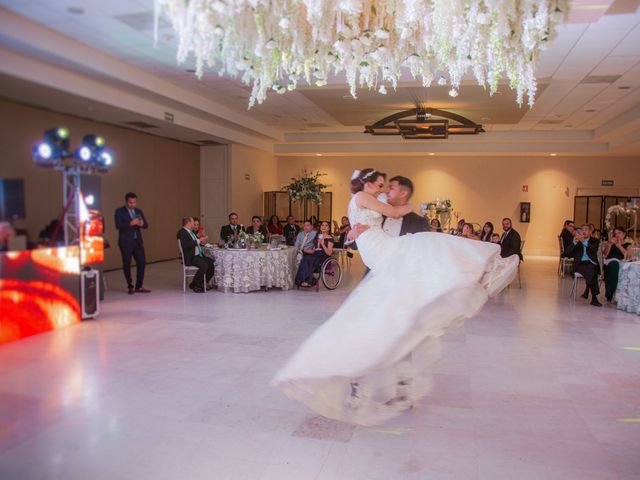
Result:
[[591, 78]]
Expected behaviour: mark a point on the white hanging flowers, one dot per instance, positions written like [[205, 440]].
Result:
[[272, 43]]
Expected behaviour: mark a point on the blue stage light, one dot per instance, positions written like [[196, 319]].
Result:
[[84, 154], [105, 160], [44, 154]]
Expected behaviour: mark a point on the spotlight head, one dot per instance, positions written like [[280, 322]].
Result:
[[104, 160], [44, 154], [89, 200], [83, 154], [93, 141], [59, 136]]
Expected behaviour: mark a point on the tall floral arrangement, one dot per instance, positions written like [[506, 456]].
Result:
[[274, 44], [306, 186]]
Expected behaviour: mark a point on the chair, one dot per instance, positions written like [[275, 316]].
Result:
[[344, 257], [574, 288], [330, 273], [564, 263], [577, 276], [188, 271]]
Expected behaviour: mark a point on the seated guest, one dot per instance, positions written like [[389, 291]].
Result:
[[458, 229], [567, 234], [594, 233], [197, 229], [291, 230], [305, 239], [495, 238], [487, 232], [314, 221], [194, 256], [510, 240], [584, 251], [341, 231], [314, 256], [274, 227], [614, 253], [231, 231], [434, 225], [467, 232], [257, 226]]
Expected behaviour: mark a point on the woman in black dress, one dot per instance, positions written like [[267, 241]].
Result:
[[613, 254], [312, 258]]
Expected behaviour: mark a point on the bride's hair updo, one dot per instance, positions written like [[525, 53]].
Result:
[[368, 175]]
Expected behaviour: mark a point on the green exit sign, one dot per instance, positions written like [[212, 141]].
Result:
[[607, 183]]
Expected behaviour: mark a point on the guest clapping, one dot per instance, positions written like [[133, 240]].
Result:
[[614, 253], [342, 231], [313, 257]]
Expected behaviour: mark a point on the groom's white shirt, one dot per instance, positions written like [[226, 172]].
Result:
[[391, 226]]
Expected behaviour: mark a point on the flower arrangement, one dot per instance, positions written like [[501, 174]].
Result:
[[245, 240], [436, 207], [306, 187], [274, 44]]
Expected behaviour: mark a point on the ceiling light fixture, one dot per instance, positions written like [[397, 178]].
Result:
[[553, 154], [431, 154], [423, 125], [274, 44]]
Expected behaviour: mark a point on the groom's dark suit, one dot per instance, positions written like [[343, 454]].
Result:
[[411, 223]]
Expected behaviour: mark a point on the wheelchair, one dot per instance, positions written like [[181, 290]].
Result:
[[330, 273]]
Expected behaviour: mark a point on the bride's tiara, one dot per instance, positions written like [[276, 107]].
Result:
[[356, 174]]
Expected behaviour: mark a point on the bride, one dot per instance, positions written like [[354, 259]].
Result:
[[373, 358]]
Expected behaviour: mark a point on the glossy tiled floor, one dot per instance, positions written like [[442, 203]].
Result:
[[175, 386]]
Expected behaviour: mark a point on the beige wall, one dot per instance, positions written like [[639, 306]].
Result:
[[164, 173], [246, 195], [484, 189]]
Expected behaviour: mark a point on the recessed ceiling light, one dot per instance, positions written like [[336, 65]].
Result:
[[431, 154], [318, 154], [348, 97], [75, 10], [624, 87], [553, 154], [590, 111]]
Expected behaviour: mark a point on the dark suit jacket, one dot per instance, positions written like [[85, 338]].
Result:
[[291, 232], [188, 245], [567, 240], [226, 231], [510, 244], [126, 232], [413, 223], [575, 251]]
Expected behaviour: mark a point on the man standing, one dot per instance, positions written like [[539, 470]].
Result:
[[193, 256], [291, 230], [232, 230], [510, 240], [129, 222], [584, 250]]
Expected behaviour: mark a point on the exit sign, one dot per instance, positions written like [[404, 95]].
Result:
[[607, 183]]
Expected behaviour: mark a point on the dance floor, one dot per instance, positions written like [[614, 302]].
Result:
[[176, 386]]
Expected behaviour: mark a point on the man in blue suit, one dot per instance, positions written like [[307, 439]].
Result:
[[129, 222]]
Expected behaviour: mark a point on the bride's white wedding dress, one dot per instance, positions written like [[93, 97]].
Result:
[[372, 359]]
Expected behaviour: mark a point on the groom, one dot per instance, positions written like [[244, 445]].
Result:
[[399, 193]]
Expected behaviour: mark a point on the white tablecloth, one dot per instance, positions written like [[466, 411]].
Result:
[[628, 291], [249, 270]]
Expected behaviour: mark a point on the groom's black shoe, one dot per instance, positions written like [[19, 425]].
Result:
[[196, 288]]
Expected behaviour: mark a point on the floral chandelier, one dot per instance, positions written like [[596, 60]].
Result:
[[274, 44]]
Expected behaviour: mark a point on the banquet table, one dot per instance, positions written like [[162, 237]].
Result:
[[628, 291], [242, 271]]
